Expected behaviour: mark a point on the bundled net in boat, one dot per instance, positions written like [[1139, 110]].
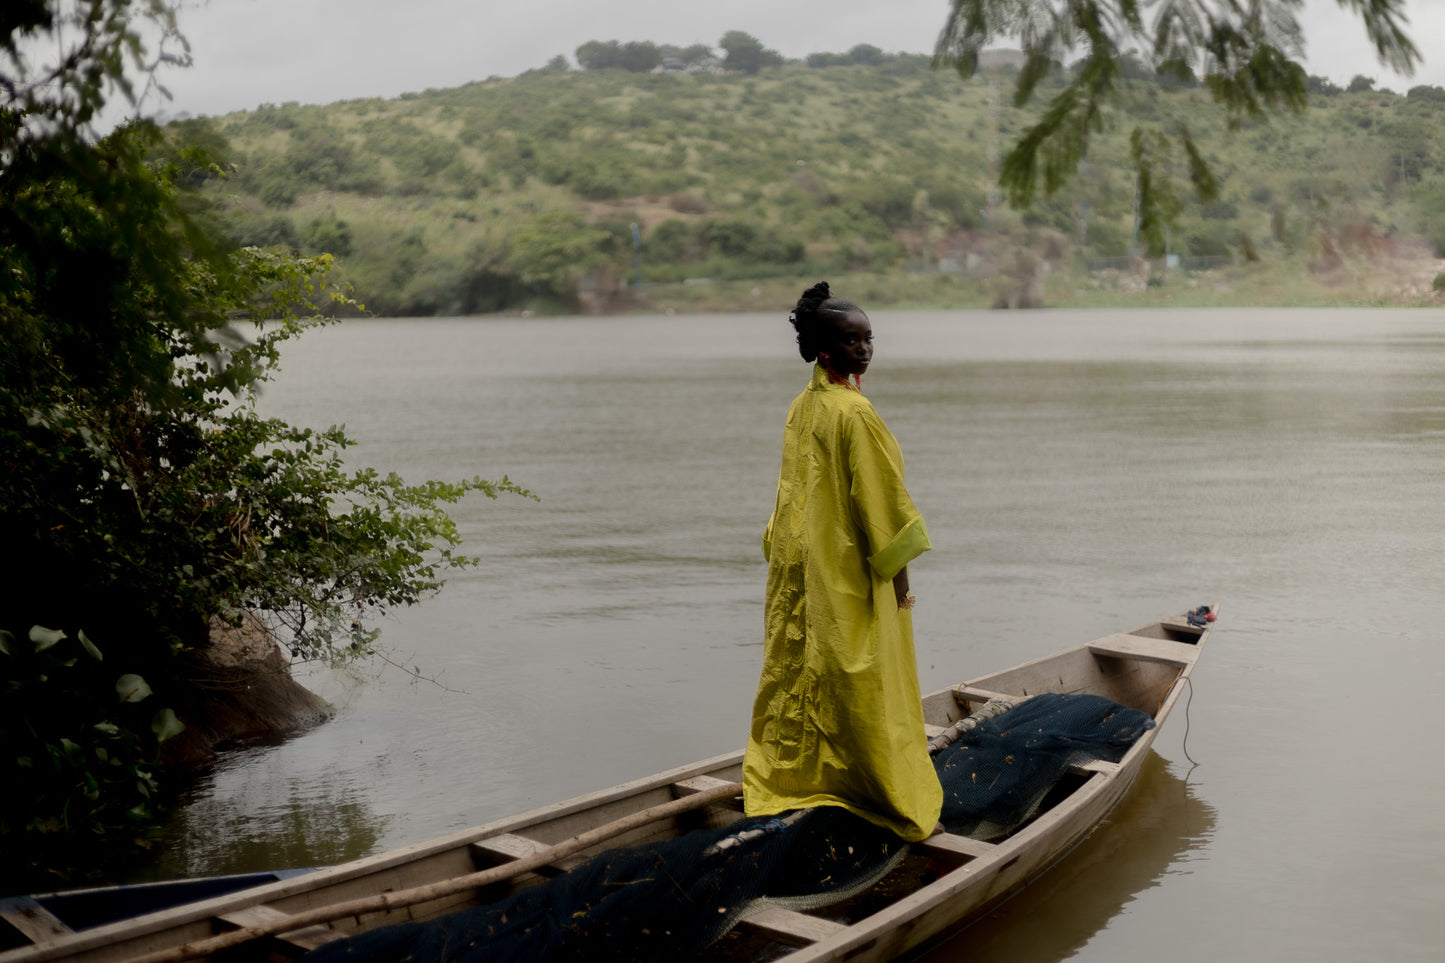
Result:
[[668, 900], [997, 775]]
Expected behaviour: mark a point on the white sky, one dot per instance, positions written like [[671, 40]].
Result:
[[250, 52]]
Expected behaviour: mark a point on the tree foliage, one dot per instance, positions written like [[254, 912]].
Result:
[[636, 56], [556, 249], [142, 497], [1360, 84], [1246, 54], [746, 53]]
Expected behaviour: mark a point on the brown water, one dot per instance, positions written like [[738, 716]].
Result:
[[1081, 473]]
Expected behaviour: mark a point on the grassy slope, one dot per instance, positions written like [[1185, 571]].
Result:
[[861, 168]]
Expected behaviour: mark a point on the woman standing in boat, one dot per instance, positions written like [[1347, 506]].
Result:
[[837, 720]]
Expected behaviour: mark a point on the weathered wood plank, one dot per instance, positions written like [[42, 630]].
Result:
[[793, 928], [696, 784], [308, 938], [957, 845], [1181, 626], [36, 923], [1126, 646], [505, 847], [1093, 766], [980, 696]]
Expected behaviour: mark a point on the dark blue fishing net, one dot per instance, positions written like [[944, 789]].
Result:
[[658, 902], [996, 775], [667, 901]]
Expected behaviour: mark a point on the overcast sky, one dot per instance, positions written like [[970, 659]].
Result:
[[250, 52]]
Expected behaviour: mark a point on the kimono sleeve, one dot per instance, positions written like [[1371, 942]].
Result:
[[892, 525]]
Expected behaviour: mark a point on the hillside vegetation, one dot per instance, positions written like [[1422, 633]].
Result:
[[607, 189]]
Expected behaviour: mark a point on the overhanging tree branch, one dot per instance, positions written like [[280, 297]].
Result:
[[1246, 51]]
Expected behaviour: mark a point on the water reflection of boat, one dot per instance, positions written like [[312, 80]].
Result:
[[1153, 828], [940, 883]]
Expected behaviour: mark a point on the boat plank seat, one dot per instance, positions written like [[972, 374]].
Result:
[[1125, 646], [790, 926], [36, 923], [696, 784], [1181, 626], [955, 845], [506, 847], [977, 696], [1094, 766], [306, 938]]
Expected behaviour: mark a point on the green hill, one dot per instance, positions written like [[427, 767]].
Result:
[[503, 195]]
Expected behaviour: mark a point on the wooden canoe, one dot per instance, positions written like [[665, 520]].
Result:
[[943, 883]]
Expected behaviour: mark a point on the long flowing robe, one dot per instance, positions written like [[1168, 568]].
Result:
[[837, 720]]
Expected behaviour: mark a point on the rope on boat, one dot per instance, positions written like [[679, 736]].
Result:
[[1189, 681]]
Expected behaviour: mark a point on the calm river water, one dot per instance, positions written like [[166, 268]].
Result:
[[1081, 473]]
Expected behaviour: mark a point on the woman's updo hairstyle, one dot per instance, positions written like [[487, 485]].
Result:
[[814, 316]]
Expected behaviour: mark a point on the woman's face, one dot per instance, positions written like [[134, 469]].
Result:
[[850, 348]]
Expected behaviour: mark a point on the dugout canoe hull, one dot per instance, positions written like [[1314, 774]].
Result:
[[1141, 668]]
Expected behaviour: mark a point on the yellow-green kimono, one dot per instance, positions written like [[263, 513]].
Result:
[[837, 719]]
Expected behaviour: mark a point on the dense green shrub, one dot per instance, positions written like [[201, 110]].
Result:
[[142, 497], [672, 241], [328, 236]]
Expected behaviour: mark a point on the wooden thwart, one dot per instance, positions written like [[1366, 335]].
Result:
[[788, 926], [1095, 766], [307, 939], [971, 693], [506, 847], [35, 922], [956, 845], [697, 784], [1125, 646]]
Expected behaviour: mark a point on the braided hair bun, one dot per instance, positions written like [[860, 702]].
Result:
[[813, 318]]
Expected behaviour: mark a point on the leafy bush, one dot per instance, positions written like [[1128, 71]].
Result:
[[141, 495], [329, 236], [673, 241], [891, 201]]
